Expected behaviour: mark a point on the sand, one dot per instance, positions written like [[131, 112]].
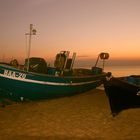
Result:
[[81, 117]]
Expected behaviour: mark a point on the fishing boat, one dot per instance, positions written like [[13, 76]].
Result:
[[37, 80], [42, 81], [122, 92]]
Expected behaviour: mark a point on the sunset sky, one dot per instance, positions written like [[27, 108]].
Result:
[[87, 27]]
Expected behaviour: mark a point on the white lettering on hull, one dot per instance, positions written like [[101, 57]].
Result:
[[14, 74]]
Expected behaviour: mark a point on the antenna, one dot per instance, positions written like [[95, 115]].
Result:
[[32, 32]]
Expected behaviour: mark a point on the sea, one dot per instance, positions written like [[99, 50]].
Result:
[[125, 70], [120, 70]]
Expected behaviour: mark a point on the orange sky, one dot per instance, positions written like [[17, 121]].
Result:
[[87, 27]]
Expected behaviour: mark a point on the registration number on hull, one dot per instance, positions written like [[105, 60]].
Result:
[[14, 74]]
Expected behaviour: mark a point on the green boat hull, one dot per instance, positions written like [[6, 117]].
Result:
[[18, 84]]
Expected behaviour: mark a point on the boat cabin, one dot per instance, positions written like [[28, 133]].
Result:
[[63, 64]]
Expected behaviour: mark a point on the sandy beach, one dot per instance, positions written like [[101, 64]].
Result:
[[81, 117]]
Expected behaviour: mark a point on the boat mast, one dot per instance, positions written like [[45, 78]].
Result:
[[32, 32]]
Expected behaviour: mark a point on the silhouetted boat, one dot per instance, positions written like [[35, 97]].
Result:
[[41, 81], [123, 92]]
